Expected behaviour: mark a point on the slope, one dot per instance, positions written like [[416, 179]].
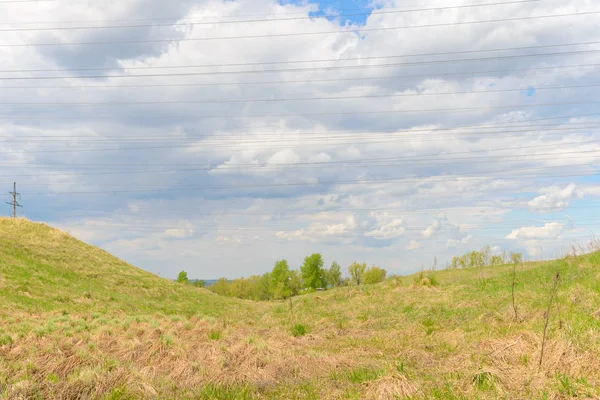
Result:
[[78, 323]]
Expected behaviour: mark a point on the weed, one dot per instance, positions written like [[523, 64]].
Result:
[[215, 334], [298, 330], [484, 380]]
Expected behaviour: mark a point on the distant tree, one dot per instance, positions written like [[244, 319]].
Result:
[[496, 260], [312, 272], [199, 283], [221, 286], [475, 259], [486, 255], [280, 277], [183, 277], [516, 258], [334, 274], [263, 290], [295, 283], [374, 275], [357, 272]]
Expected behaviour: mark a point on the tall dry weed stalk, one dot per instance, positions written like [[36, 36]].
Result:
[[514, 278], [553, 292]]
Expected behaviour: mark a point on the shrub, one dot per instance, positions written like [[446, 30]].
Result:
[[374, 275]]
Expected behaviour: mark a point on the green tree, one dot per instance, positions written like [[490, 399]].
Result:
[[516, 258], [357, 272], [199, 283], [334, 275], [280, 277], [312, 272], [374, 275], [295, 283], [183, 277], [496, 260], [221, 287]]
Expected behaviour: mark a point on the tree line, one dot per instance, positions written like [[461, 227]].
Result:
[[485, 258], [283, 282]]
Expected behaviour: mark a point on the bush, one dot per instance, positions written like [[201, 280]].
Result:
[[183, 277], [374, 275]]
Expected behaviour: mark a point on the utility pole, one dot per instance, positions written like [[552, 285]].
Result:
[[14, 203]]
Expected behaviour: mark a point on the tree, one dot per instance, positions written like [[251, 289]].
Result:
[[312, 271], [486, 255], [516, 258], [199, 283], [357, 271], [334, 275], [280, 277], [374, 275], [222, 287], [496, 260], [295, 283], [183, 277]]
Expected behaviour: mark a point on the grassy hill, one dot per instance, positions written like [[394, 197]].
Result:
[[76, 322]]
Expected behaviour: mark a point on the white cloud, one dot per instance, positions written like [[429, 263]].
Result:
[[286, 156], [555, 198], [413, 245], [550, 230], [179, 233], [455, 242], [432, 229], [390, 230]]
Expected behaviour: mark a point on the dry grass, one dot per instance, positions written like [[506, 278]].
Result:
[[78, 323]]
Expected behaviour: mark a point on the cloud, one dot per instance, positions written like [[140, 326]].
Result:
[[179, 233], [413, 245], [432, 229], [390, 230], [555, 199], [454, 242], [550, 230]]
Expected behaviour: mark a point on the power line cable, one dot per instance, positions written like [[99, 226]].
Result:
[[418, 179], [311, 61], [294, 34], [283, 70], [265, 100], [324, 140], [188, 84], [305, 17], [441, 161], [353, 113]]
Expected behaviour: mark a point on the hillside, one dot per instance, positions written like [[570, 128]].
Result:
[[79, 323]]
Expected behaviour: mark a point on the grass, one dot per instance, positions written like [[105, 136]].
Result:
[[79, 323]]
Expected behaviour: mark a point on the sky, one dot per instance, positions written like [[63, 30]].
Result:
[[218, 137]]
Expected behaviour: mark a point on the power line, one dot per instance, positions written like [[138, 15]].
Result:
[[322, 13], [263, 100], [267, 82], [304, 17], [325, 165], [321, 141], [313, 61], [326, 68], [304, 136], [14, 202], [300, 33], [437, 110], [419, 179]]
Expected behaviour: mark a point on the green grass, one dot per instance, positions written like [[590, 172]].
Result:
[[78, 322]]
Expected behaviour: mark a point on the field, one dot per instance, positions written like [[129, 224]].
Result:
[[76, 322]]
